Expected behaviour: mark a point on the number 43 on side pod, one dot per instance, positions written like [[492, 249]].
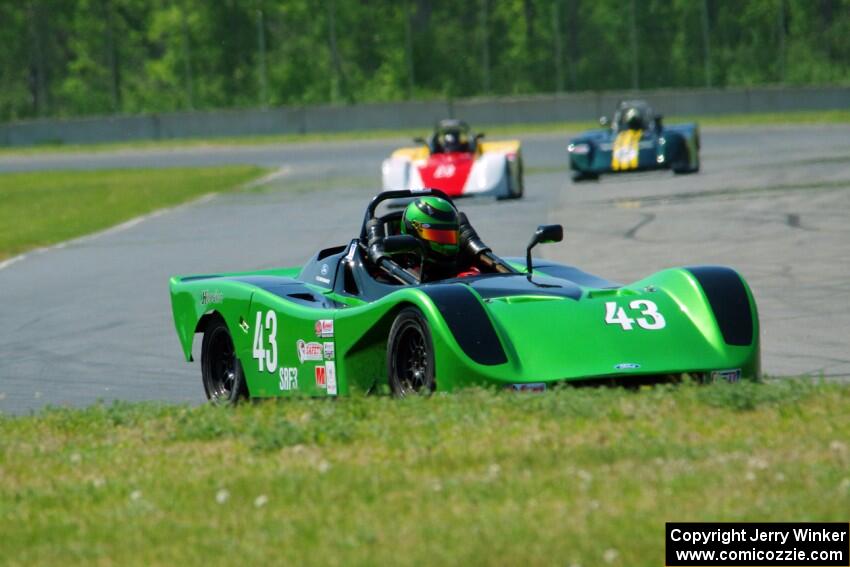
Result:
[[652, 320]]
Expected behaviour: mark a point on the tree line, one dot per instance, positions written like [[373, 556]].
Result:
[[83, 57]]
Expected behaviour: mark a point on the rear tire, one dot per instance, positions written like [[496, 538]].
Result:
[[520, 186], [515, 184], [410, 355], [224, 381], [579, 176], [683, 165], [688, 171]]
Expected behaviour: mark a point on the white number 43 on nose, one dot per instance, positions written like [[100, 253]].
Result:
[[652, 320]]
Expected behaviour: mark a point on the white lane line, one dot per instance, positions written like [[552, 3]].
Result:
[[12, 260], [266, 179], [277, 174]]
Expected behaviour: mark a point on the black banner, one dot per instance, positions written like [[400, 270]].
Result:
[[769, 544]]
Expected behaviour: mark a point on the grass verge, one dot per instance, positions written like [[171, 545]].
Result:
[[44, 208], [585, 477], [493, 132]]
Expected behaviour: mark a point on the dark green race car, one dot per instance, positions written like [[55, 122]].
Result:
[[357, 319], [636, 140]]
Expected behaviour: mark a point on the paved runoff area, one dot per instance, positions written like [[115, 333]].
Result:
[[92, 320]]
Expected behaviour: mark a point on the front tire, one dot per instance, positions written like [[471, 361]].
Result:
[[224, 381], [410, 355]]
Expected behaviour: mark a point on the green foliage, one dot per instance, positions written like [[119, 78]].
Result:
[[105, 56], [474, 478], [44, 208]]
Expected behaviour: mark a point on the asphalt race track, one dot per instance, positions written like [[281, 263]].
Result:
[[91, 319]]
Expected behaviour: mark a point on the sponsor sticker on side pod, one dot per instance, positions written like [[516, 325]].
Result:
[[308, 351], [324, 328], [732, 375], [330, 377]]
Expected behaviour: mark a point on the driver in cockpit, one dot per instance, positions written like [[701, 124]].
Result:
[[455, 141], [450, 246], [633, 118], [436, 223]]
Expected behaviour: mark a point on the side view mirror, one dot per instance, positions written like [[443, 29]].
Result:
[[419, 140], [401, 244], [479, 135], [544, 234], [603, 121]]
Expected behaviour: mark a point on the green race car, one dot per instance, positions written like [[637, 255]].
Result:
[[360, 318]]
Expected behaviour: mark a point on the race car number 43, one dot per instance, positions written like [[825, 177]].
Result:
[[652, 320], [266, 357]]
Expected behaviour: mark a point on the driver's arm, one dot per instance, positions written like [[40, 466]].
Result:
[[475, 252], [375, 252]]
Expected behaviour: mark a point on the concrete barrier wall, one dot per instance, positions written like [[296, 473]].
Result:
[[383, 116]]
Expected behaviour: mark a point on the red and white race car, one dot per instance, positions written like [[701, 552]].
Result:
[[458, 163]]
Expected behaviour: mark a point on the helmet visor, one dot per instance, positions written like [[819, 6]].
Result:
[[447, 235]]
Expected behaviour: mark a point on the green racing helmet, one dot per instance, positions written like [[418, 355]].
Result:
[[434, 221]]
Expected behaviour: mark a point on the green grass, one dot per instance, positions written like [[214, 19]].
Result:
[[43, 208], [474, 478], [493, 132]]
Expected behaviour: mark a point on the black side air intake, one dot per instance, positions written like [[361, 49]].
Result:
[[468, 322], [729, 301]]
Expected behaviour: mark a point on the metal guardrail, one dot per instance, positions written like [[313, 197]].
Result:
[[388, 116]]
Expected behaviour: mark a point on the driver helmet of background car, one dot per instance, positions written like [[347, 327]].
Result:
[[435, 222], [633, 119], [454, 141]]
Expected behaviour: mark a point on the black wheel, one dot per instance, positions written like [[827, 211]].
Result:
[[695, 168], [579, 176], [515, 184], [410, 355], [224, 382], [521, 180], [682, 166], [687, 171]]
